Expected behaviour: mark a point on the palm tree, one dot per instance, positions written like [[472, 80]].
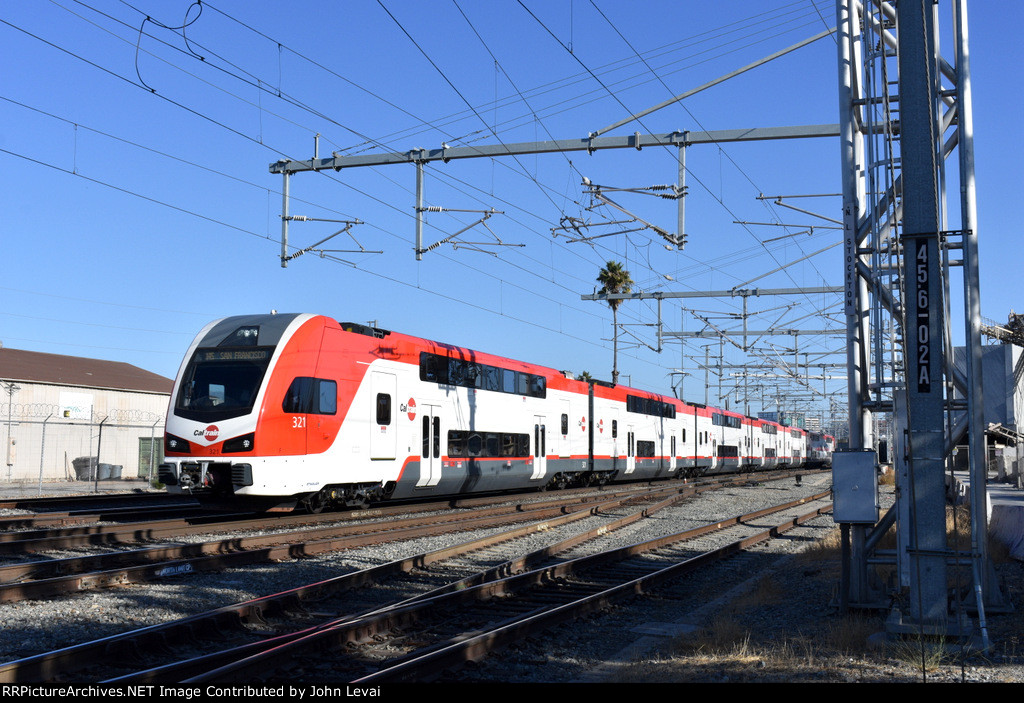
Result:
[[614, 279]]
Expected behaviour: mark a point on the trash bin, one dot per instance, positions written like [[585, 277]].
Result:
[[85, 468]]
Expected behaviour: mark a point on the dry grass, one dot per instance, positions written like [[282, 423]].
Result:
[[827, 549], [745, 642], [923, 654]]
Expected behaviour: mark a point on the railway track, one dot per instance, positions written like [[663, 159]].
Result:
[[34, 563], [35, 567], [455, 576], [272, 541]]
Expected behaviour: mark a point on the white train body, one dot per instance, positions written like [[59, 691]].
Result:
[[300, 407]]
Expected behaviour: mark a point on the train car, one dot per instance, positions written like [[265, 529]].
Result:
[[298, 409], [819, 449]]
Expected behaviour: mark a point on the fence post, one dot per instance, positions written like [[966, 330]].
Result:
[[152, 454], [42, 451], [99, 444]]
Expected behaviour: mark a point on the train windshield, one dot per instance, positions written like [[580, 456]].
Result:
[[220, 383]]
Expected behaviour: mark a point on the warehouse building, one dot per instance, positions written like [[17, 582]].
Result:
[[69, 418]]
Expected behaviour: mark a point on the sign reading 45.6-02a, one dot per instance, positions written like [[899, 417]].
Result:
[[922, 318]]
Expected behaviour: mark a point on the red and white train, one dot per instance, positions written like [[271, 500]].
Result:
[[299, 408]]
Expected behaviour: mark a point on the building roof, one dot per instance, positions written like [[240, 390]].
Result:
[[57, 369]]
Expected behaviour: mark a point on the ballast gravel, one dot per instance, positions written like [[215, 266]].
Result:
[[605, 646]]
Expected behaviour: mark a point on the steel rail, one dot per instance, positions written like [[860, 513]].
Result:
[[26, 541], [24, 523], [240, 551], [68, 660], [481, 644], [378, 623], [201, 666], [56, 576]]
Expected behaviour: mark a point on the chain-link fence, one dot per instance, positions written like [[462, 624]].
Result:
[[44, 445]]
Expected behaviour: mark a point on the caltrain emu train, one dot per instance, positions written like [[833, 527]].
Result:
[[299, 409]]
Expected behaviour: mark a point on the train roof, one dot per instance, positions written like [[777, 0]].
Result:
[[272, 327]]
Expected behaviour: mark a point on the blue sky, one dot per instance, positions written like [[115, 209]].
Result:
[[139, 203]]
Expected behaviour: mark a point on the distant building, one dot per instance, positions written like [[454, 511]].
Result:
[[57, 412], [791, 419], [1002, 379]]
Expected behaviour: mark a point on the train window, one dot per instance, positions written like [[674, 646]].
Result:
[[436, 368], [437, 437], [615, 429], [328, 397], [299, 397], [475, 445], [644, 448], [456, 442], [539, 387], [492, 444], [684, 435], [458, 373], [650, 406], [311, 396], [522, 384], [383, 409], [508, 381], [433, 368], [490, 378], [483, 445], [565, 424], [726, 420], [426, 438], [221, 383]]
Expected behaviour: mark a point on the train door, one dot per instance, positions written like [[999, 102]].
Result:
[[430, 452], [540, 447], [615, 439], [383, 425], [565, 430], [630, 449]]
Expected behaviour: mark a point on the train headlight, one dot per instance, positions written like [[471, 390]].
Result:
[[176, 445], [245, 443]]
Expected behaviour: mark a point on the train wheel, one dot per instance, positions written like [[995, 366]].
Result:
[[316, 502]]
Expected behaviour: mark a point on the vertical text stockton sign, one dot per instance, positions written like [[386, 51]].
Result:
[[850, 259]]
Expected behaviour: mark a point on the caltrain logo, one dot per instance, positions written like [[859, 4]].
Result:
[[209, 434], [600, 426], [583, 424], [410, 408]]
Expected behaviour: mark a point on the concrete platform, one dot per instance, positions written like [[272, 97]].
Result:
[[1006, 518], [1005, 511]]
